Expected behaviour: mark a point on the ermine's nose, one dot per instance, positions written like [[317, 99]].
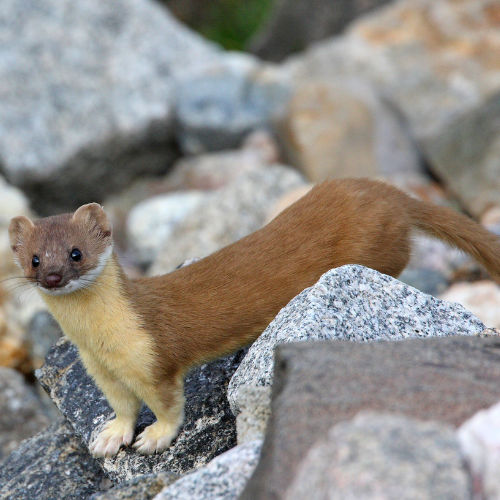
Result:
[[53, 280]]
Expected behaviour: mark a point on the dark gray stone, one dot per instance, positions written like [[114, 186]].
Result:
[[52, 464], [208, 429], [320, 384], [295, 24], [383, 456], [140, 488], [22, 414]]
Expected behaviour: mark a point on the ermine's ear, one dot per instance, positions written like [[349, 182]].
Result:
[[19, 229], [93, 216]]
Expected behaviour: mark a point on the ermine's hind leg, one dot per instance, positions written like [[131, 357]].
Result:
[[120, 430], [167, 403]]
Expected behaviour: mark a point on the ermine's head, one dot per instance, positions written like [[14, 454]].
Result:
[[63, 253]]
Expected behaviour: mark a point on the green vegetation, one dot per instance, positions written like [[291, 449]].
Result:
[[231, 23]]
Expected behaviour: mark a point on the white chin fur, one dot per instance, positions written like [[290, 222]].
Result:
[[90, 277]]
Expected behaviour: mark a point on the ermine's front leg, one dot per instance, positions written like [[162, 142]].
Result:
[[166, 400], [120, 430]]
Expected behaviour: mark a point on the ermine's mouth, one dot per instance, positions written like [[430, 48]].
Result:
[[61, 288]]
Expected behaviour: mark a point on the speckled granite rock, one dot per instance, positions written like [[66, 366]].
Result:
[[351, 303], [319, 384], [208, 430], [140, 488], [222, 479], [383, 456], [50, 465], [86, 94], [18, 403], [228, 214]]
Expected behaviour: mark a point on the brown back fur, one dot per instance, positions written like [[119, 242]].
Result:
[[225, 300]]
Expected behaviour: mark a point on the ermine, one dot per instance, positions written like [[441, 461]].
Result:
[[138, 337]]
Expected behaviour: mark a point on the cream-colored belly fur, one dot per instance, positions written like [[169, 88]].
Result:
[[101, 322]]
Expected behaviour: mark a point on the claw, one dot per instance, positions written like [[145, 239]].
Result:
[[115, 433], [155, 438]]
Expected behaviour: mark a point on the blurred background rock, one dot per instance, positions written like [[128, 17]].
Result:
[[194, 122]]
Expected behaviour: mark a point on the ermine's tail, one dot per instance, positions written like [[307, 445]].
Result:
[[460, 231]]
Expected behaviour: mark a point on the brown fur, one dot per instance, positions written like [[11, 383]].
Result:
[[225, 301]]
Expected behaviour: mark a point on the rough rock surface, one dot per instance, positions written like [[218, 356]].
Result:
[[351, 303], [18, 403], [208, 429], [228, 214], [383, 456], [465, 156], [86, 95], [217, 107], [52, 464], [222, 479], [334, 130], [432, 60], [320, 384], [312, 20], [142, 487]]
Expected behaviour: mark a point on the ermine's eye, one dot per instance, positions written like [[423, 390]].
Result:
[[35, 261], [75, 255]]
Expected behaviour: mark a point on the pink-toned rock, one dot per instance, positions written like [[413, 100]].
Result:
[[479, 438], [482, 298]]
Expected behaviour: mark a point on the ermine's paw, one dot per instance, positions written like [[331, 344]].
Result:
[[155, 438], [114, 434]]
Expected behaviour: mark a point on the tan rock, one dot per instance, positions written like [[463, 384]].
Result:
[[335, 131], [482, 298]]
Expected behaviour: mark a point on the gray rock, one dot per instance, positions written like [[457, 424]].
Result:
[[208, 430], [350, 303], [52, 464], [86, 95], [217, 108], [22, 413], [140, 488], [320, 384], [43, 333], [465, 156], [434, 265], [222, 479], [152, 221], [228, 214], [311, 21], [383, 456]]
